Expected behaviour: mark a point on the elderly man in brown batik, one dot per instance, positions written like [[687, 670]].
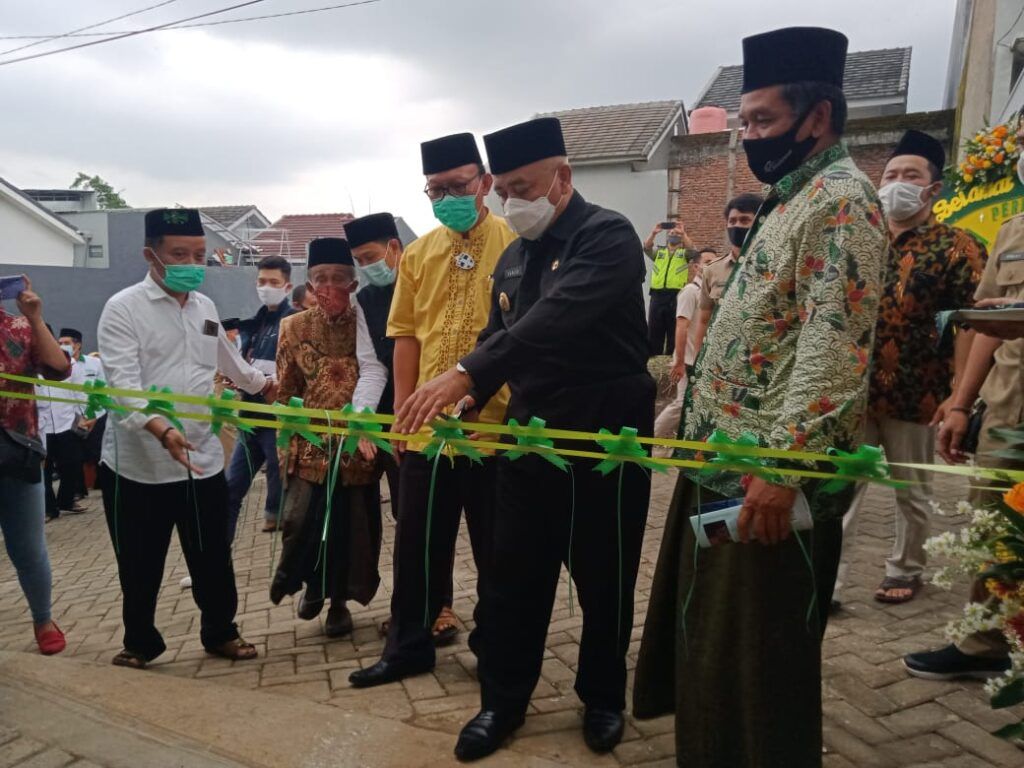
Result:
[[325, 356]]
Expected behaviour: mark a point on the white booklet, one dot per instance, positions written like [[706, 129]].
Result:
[[717, 523], [1011, 314]]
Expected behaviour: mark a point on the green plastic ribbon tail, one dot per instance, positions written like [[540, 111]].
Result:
[[445, 430], [865, 462], [621, 448], [333, 469], [222, 416], [431, 492], [294, 425], [720, 442], [530, 437], [165, 408], [96, 402], [369, 430]]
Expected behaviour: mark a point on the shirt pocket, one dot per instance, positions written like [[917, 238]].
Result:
[[1010, 278]]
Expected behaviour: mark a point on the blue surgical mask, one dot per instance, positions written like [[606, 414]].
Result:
[[378, 273], [458, 213]]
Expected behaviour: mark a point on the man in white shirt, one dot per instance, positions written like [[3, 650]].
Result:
[[158, 472], [63, 447], [90, 369], [326, 357], [687, 339]]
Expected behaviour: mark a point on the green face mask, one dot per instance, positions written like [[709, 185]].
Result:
[[458, 213], [182, 278]]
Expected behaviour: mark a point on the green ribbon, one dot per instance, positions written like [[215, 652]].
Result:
[[369, 430], [531, 437], [621, 448], [865, 462], [165, 408], [294, 425], [445, 431], [222, 416], [96, 402], [720, 442]]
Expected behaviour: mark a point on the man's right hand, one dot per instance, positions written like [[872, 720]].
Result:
[[178, 446], [676, 372], [951, 436]]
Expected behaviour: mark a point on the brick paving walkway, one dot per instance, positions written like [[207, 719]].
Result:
[[875, 715]]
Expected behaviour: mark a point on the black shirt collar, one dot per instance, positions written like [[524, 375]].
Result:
[[568, 223]]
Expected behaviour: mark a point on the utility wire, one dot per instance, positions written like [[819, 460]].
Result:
[[74, 32], [122, 36], [202, 23]]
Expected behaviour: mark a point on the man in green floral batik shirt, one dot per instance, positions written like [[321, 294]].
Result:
[[730, 643]]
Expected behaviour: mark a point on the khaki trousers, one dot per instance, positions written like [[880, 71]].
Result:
[[667, 423], [903, 442]]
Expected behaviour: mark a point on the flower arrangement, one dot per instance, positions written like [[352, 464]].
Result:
[[991, 549], [990, 156]]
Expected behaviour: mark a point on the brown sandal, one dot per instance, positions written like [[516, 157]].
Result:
[[236, 650], [446, 627], [889, 583], [129, 659]]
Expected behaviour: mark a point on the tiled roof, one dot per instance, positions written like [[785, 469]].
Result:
[[869, 75], [289, 235], [226, 215], [617, 132]]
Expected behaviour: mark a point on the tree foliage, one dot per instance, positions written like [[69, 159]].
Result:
[[106, 195]]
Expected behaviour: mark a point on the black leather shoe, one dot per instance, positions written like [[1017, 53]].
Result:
[[339, 621], [309, 610], [280, 588], [602, 729], [384, 672], [483, 734]]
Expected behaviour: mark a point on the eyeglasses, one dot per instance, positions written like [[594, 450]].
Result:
[[455, 190]]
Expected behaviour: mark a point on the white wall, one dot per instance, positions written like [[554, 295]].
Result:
[[1009, 25], [28, 241]]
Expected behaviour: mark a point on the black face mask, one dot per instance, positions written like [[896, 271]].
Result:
[[737, 235], [773, 158]]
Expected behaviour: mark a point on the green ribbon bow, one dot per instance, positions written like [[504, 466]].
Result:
[[222, 416], [96, 402], [621, 448], [371, 430], [164, 408], [719, 441], [528, 437], [294, 425], [444, 434], [866, 461]]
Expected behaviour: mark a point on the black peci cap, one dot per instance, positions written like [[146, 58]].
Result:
[[525, 143], [174, 221], [792, 55], [921, 144], [329, 250], [368, 229], [447, 152], [70, 333]]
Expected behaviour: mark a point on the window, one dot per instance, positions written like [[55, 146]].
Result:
[[95, 251]]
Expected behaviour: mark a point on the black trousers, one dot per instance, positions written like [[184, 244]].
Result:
[[462, 486], [532, 523], [64, 452], [141, 531], [661, 322]]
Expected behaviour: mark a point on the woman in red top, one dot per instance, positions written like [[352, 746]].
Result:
[[27, 348]]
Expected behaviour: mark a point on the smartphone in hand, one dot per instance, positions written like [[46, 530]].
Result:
[[11, 287]]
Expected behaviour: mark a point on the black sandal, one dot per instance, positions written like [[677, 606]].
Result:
[[912, 584], [129, 659]]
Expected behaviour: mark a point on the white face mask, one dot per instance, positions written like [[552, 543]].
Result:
[[68, 349], [901, 200], [530, 218], [271, 296]]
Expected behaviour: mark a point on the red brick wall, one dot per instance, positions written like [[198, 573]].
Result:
[[700, 168]]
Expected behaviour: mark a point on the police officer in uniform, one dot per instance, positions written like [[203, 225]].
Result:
[[669, 273], [566, 332]]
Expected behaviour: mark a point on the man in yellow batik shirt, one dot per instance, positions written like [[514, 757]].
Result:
[[442, 302]]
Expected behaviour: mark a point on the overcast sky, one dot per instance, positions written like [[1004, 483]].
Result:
[[325, 112]]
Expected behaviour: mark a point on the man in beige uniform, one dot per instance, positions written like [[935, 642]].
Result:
[[739, 218], [996, 367]]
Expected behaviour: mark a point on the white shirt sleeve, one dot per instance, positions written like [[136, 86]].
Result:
[[232, 365], [373, 376], [688, 301], [78, 376], [120, 349]]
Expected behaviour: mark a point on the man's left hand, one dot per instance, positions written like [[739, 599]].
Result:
[[767, 510], [427, 402]]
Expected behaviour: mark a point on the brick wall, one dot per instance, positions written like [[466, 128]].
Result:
[[706, 170]]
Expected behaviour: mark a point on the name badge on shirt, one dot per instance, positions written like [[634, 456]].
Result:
[[209, 328], [513, 272], [1006, 258]]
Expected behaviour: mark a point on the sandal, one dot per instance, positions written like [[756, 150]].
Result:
[[129, 659], [446, 627], [889, 584], [236, 650]]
